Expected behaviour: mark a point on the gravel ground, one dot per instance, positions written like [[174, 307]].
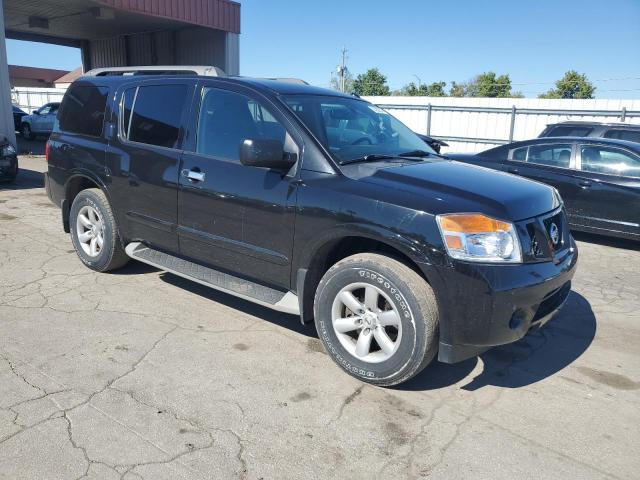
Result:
[[140, 374]]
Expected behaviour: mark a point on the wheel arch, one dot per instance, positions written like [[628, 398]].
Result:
[[75, 184], [336, 245]]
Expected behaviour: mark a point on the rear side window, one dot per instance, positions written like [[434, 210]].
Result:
[[555, 155], [569, 131], [519, 154], [152, 114], [83, 109], [623, 134]]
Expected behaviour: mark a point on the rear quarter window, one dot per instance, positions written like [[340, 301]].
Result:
[[569, 131], [624, 134], [82, 110]]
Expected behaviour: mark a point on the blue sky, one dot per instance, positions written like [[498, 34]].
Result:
[[534, 41]]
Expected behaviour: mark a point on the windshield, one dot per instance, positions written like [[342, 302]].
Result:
[[351, 128]]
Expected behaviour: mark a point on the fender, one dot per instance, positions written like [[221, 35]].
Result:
[[65, 205]]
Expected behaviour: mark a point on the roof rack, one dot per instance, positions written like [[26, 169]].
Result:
[[206, 71], [299, 81]]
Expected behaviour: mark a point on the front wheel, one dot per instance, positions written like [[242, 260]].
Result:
[[377, 318]]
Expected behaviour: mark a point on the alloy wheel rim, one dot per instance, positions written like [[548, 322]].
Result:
[[366, 322], [90, 229]]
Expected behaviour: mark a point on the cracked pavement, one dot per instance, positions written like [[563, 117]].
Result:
[[143, 375]]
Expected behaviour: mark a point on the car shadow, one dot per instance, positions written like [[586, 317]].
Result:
[[606, 241], [291, 322], [539, 355], [26, 179]]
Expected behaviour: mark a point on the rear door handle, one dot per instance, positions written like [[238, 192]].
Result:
[[584, 183], [194, 175], [512, 170]]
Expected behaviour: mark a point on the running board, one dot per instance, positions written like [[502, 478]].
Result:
[[286, 302]]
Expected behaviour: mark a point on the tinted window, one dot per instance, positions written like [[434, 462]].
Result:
[[610, 160], [82, 110], [227, 119], [569, 131], [520, 154], [556, 155], [157, 111], [629, 135], [126, 107]]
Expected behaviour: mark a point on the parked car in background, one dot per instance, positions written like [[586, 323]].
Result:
[[619, 131], [8, 161], [598, 179], [40, 122], [311, 202], [433, 142], [18, 114]]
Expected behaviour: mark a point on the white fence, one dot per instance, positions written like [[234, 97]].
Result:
[[31, 98], [475, 124]]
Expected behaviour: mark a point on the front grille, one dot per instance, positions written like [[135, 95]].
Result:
[[543, 237], [553, 226]]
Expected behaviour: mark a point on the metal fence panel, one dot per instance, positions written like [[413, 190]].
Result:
[[475, 124], [29, 99]]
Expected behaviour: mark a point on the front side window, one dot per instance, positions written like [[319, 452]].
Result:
[[624, 134], [350, 128], [83, 109], [152, 114], [227, 119], [555, 155], [609, 160]]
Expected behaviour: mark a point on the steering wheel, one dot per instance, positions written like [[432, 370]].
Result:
[[362, 141]]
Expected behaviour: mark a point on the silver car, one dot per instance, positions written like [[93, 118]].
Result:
[[40, 122]]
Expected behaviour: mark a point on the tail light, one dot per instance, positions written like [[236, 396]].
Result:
[[46, 152]]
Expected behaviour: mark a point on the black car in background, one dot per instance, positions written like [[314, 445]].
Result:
[[598, 179], [432, 142], [618, 131], [18, 113]]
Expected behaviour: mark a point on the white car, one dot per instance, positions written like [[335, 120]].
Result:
[[40, 122]]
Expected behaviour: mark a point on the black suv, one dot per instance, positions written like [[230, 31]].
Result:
[[619, 131], [313, 203]]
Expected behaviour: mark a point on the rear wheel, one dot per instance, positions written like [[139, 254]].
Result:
[[94, 232], [377, 318]]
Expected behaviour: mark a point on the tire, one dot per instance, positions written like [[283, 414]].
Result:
[[26, 131], [415, 339], [109, 256]]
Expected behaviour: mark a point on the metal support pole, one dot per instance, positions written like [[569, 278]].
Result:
[[429, 119], [513, 122], [623, 116]]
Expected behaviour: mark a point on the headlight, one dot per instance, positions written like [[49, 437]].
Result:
[[8, 150], [478, 238]]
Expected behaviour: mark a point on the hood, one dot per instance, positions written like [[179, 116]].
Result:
[[443, 186]]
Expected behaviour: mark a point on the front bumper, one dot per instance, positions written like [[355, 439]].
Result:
[[483, 305]]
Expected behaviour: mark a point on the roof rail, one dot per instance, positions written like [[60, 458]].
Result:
[[206, 71], [288, 80]]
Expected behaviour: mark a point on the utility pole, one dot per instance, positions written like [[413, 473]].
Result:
[[342, 70]]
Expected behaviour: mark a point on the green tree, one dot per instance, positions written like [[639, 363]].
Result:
[[487, 84], [572, 85], [435, 89], [372, 82]]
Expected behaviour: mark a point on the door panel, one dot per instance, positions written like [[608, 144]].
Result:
[[144, 161], [236, 218], [605, 200]]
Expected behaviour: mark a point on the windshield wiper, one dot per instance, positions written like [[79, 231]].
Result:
[[420, 154], [372, 157]]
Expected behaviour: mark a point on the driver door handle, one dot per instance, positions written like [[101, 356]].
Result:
[[584, 183], [512, 170], [194, 175]]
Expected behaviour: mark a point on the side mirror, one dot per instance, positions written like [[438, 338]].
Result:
[[265, 153], [35, 112]]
